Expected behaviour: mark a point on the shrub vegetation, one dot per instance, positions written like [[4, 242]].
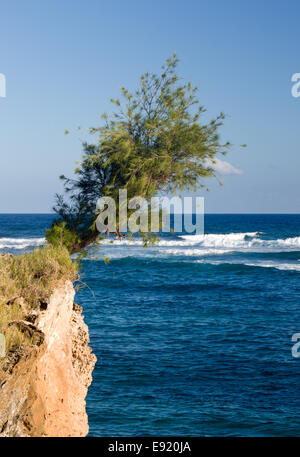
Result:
[[28, 280]]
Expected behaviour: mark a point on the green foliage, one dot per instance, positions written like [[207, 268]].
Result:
[[153, 143], [59, 235]]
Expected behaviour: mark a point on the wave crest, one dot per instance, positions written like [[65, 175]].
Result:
[[20, 243]]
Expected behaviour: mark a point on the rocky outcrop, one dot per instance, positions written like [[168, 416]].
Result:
[[43, 387]]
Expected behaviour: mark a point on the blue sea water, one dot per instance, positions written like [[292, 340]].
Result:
[[193, 336]]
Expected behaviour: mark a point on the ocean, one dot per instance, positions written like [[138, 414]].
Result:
[[194, 335]]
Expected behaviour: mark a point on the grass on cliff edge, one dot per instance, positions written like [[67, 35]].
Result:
[[26, 281]]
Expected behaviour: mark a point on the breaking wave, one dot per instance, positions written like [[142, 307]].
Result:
[[20, 243], [233, 248], [232, 241], [260, 264], [241, 241]]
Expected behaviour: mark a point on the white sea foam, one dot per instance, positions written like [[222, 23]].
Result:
[[225, 240], [278, 266], [260, 264], [201, 245], [183, 245], [20, 243], [289, 241], [209, 240], [245, 241], [194, 252]]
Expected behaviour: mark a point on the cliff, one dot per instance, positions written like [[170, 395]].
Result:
[[43, 385]]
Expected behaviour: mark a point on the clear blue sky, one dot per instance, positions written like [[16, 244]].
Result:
[[63, 60]]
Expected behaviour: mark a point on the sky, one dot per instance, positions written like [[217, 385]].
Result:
[[64, 60]]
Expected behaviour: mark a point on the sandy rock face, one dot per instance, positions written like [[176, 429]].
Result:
[[43, 388]]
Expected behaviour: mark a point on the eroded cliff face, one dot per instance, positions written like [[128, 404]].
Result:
[[43, 387]]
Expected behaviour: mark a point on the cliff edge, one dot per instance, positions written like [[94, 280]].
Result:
[[43, 386]]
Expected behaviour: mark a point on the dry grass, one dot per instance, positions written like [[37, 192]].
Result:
[[25, 282], [14, 337]]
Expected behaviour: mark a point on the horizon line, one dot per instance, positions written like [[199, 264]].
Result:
[[208, 213]]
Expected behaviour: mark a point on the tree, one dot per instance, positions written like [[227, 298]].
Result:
[[155, 142]]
